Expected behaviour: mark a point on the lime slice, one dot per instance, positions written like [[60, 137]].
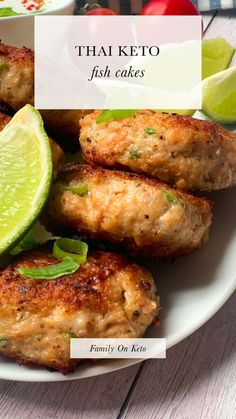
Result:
[[217, 55], [219, 96], [25, 174]]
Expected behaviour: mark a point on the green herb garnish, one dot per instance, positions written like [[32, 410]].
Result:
[[72, 253], [169, 196], [68, 266], [80, 190], [135, 154], [117, 114], [4, 342], [68, 248], [27, 243], [8, 11], [150, 131]]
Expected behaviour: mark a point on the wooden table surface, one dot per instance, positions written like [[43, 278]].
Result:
[[197, 380]]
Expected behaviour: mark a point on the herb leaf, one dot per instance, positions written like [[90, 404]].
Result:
[[80, 190], [117, 114], [150, 131], [135, 154], [170, 198]]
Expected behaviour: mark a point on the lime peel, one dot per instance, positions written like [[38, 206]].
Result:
[[25, 175], [217, 55], [219, 96]]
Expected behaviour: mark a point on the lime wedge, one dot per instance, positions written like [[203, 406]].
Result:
[[219, 96], [178, 111], [25, 174], [217, 55]]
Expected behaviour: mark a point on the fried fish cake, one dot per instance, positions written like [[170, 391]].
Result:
[[107, 297], [57, 153], [189, 153], [16, 76], [17, 90], [147, 217]]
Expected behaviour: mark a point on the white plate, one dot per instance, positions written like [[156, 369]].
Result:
[[192, 289]]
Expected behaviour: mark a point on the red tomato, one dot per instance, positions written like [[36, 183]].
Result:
[[101, 11], [170, 7]]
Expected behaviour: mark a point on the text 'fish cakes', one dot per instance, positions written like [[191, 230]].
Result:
[[189, 153], [106, 297], [147, 217]]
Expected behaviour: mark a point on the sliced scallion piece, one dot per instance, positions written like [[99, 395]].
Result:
[[27, 243], [80, 190], [68, 266], [117, 114], [74, 249], [135, 154], [170, 198], [150, 131]]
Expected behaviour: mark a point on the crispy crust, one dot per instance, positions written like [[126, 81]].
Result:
[[37, 317], [17, 77], [183, 151], [169, 230], [19, 55], [74, 291]]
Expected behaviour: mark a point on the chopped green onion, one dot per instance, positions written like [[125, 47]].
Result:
[[150, 131], [134, 154], [117, 114], [68, 266], [38, 235], [80, 190], [169, 196], [74, 249], [27, 243], [4, 342]]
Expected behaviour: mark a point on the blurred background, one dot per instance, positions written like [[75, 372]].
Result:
[[135, 6]]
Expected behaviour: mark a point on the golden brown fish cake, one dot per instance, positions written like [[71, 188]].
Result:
[[148, 218], [189, 153], [106, 297], [16, 76]]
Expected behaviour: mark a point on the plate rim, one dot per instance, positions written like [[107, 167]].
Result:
[[170, 343]]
